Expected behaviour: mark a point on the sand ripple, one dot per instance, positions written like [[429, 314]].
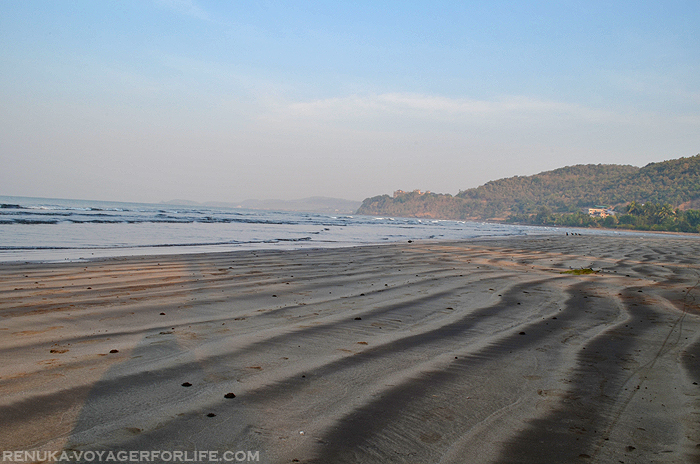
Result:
[[481, 351]]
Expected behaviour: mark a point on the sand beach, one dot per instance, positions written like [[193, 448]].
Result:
[[480, 351]]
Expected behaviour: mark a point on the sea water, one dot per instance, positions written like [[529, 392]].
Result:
[[43, 229]]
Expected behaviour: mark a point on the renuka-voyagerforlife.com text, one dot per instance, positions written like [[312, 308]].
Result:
[[131, 456]]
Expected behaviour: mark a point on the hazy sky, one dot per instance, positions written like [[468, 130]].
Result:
[[159, 99]]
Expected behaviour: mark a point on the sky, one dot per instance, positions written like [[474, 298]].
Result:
[[155, 100]]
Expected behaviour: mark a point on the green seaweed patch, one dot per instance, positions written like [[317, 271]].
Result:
[[582, 271]]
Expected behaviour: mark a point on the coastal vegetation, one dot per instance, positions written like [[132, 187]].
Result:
[[658, 196], [648, 216]]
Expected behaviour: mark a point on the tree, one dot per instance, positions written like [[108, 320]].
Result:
[[635, 209]]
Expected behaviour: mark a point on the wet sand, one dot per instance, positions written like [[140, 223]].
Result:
[[462, 352]]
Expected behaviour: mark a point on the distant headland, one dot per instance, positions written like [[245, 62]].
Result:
[[658, 196], [321, 205]]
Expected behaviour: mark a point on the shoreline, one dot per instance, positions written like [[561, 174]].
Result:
[[478, 350], [614, 229], [284, 246]]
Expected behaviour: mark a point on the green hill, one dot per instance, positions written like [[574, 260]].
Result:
[[563, 190]]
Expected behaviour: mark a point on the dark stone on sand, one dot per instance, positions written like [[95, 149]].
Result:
[[631, 448], [521, 333], [186, 384], [229, 395], [114, 351], [358, 318], [162, 314], [211, 414], [410, 241]]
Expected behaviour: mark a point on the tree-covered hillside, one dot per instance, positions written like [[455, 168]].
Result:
[[564, 190]]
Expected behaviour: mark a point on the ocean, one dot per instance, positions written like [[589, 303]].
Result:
[[45, 229]]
